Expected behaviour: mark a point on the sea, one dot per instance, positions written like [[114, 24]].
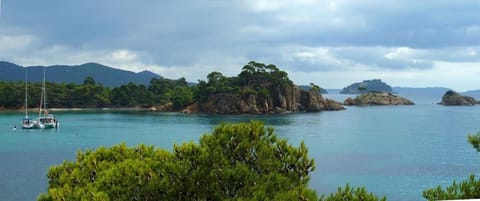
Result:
[[396, 151]]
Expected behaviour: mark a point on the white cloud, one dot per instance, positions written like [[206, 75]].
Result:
[[458, 76], [400, 53], [317, 56], [15, 43], [346, 39], [266, 5]]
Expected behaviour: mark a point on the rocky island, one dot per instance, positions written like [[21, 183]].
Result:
[[258, 89], [375, 85], [452, 98], [377, 98]]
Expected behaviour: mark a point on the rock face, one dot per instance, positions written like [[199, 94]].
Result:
[[454, 98], [375, 85], [377, 99], [287, 99]]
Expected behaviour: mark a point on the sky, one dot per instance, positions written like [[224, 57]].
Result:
[[332, 43]]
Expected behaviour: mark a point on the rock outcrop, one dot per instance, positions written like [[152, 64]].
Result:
[[453, 98], [286, 99], [378, 99]]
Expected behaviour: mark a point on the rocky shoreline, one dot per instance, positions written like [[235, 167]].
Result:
[[374, 98], [287, 100]]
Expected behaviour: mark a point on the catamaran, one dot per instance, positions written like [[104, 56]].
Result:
[[45, 120], [27, 123]]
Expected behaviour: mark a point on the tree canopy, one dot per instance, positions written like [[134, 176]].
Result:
[[93, 94], [467, 189], [235, 162]]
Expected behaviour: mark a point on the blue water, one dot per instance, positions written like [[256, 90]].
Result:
[[396, 151]]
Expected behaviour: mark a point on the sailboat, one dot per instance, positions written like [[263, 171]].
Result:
[[27, 123], [45, 120]]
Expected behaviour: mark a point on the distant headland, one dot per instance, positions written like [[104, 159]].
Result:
[[258, 89], [375, 85]]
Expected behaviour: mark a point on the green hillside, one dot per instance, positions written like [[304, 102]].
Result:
[[105, 75]]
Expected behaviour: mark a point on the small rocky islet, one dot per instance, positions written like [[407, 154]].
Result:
[[377, 98], [452, 98]]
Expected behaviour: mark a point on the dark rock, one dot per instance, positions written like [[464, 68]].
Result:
[[453, 98], [282, 100]]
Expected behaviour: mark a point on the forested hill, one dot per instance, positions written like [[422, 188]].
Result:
[[375, 85], [105, 75]]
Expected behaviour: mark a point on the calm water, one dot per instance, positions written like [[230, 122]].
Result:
[[393, 151]]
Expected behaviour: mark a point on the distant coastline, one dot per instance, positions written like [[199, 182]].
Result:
[[33, 110]]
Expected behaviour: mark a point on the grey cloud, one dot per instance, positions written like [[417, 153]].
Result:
[[186, 33]]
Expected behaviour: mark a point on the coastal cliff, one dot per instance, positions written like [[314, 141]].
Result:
[[377, 99], [452, 98], [258, 89], [287, 99]]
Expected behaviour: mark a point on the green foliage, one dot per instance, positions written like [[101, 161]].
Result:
[[12, 94], [375, 85], [92, 94], [89, 81], [260, 75], [352, 194], [475, 141], [362, 88], [255, 79], [315, 88], [467, 189], [235, 162]]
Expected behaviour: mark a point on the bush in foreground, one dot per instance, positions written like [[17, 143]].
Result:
[[352, 194], [467, 189], [235, 162]]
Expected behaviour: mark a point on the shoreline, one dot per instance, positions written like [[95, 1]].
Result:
[[33, 110]]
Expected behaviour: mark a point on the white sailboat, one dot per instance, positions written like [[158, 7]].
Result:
[[27, 123], [45, 120]]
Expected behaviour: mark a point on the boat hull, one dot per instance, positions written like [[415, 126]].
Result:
[[28, 123], [48, 121]]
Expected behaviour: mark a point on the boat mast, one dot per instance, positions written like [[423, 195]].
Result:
[[26, 92], [44, 91], [42, 95]]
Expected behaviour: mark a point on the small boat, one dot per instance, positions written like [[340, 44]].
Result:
[[27, 123], [48, 121], [45, 120]]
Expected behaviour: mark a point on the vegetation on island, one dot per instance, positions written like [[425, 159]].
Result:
[[313, 86], [375, 85], [263, 81], [93, 94], [255, 79], [243, 161]]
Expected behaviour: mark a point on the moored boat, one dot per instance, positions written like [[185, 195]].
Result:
[[27, 123], [45, 120]]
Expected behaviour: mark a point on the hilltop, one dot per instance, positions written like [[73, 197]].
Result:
[[107, 76]]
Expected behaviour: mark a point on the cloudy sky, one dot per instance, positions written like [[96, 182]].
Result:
[[329, 42]]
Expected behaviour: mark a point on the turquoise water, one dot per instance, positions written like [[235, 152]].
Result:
[[396, 151]]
